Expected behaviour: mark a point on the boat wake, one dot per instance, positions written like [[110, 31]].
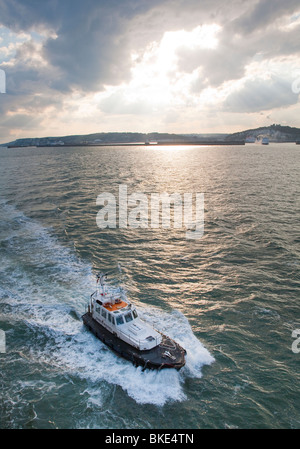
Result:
[[44, 287]]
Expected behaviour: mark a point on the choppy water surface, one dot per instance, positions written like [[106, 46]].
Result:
[[230, 298]]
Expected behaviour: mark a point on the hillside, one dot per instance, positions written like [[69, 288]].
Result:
[[96, 138], [275, 133]]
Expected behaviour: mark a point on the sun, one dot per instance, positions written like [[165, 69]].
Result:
[[156, 78], [158, 84]]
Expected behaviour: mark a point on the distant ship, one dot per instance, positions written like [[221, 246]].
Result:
[[265, 141], [115, 321]]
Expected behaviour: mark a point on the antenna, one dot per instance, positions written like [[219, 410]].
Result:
[[102, 278]]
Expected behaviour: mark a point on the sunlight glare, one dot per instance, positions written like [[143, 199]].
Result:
[[158, 84], [156, 78]]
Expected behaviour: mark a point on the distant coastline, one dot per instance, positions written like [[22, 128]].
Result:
[[274, 133], [152, 144]]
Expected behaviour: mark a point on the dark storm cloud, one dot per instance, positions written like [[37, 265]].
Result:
[[90, 47], [20, 15]]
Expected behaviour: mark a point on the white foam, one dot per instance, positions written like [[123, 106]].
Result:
[[77, 351], [177, 326], [56, 285], [82, 354]]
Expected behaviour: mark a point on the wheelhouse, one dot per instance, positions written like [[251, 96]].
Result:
[[120, 317], [112, 314]]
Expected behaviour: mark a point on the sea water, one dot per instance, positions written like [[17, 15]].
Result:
[[231, 297]]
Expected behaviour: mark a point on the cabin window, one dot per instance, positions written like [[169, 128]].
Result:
[[111, 319], [128, 317], [98, 309], [119, 320], [103, 313], [134, 313]]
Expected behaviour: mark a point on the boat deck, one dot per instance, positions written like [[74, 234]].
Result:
[[116, 306], [155, 358]]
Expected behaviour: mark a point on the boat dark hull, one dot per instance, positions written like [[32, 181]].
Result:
[[153, 358]]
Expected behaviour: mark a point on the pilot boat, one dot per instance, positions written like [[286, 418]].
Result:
[[115, 321]]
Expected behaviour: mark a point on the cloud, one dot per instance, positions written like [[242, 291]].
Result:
[[89, 45], [60, 51], [261, 95], [119, 103], [264, 14], [237, 49]]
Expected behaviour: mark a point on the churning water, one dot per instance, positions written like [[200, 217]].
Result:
[[230, 298]]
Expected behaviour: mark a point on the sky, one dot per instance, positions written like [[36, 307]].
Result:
[[176, 66]]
